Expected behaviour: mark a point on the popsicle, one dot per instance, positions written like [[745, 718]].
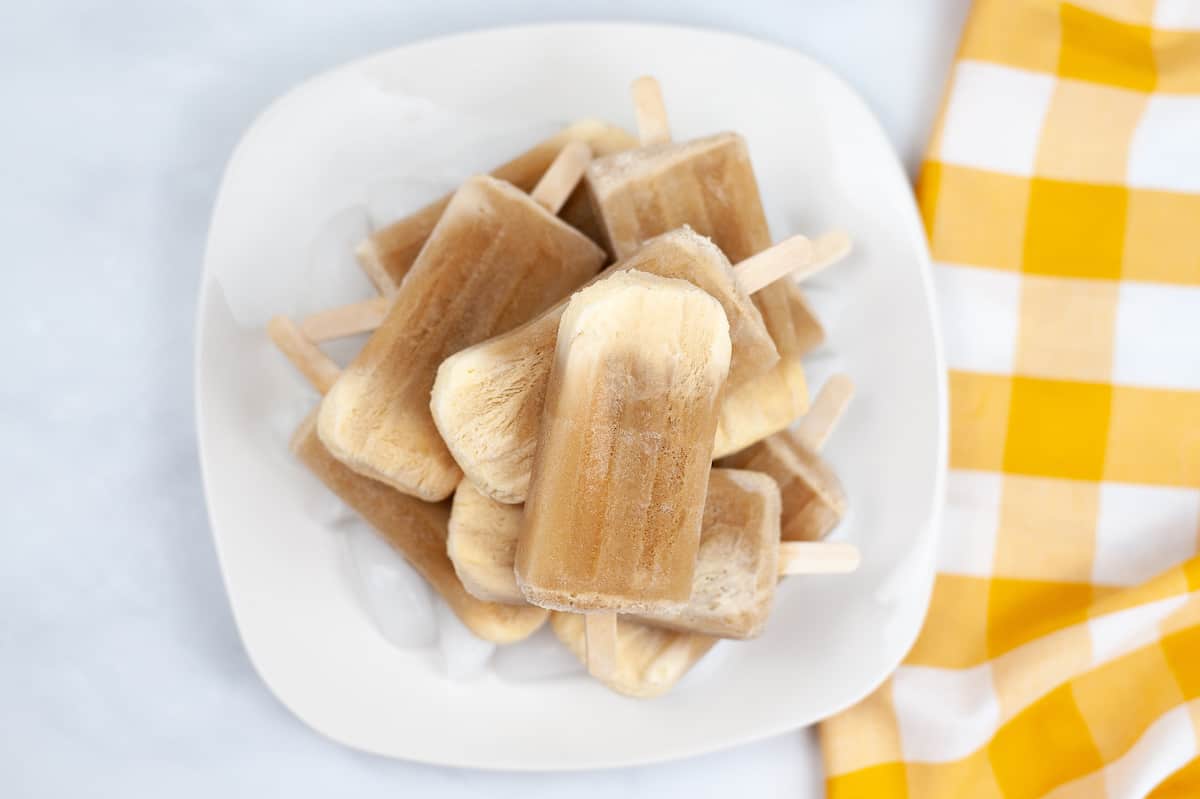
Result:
[[649, 661], [496, 258], [620, 474], [487, 399], [709, 184], [814, 501], [739, 558], [482, 544], [827, 249], [417, 529], [387, 254]]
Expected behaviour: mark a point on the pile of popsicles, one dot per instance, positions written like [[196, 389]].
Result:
[[535, 431]]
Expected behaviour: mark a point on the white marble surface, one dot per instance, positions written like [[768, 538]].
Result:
[[121, 673]]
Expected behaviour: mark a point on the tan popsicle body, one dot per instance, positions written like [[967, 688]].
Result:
[[495, 259], [612, 520]]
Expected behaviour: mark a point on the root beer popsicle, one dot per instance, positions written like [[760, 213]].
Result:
[[388, 254], [649, 661], [737, 565], [496, 258], [708, 184], [741, 559], [487, 399], [482, 544], [814, 501], [612, 520], [417, 529]]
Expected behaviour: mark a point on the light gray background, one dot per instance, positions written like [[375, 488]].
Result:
[[121, 673]]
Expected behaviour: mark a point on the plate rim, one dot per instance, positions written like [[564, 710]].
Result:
[[915, 231]]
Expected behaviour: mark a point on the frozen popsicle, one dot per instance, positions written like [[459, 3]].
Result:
[[769, 403], [417, 529], [367, 315], [813, 498], [741, 559], [709, 184], [482, 544], [737, 565], [387, 254], [496, 258], [487, 399], [649, 661], [612, 521]]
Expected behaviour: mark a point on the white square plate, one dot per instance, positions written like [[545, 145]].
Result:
[[822, 162]]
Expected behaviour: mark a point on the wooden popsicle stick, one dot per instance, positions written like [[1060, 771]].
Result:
[[651, 111], [316, 366], [829, 248], [761, 270], [556, 185], [817, 557], [367, 255], [816, 426], [601, 630], [346, 320]]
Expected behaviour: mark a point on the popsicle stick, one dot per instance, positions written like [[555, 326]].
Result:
[[829, 248], [556, 185], [316, 366], [759, 271], [346, 320], [651, 111], [817, 557], [816, 425], [601, 644], [372, 266]]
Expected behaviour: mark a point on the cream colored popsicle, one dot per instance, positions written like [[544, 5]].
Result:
[[612, 521], [737, 565], [741, 559], [496, 258], [487, 399], [827, 249], [483, 532], [388, 254], [814, 501], [482, 544], [648, 661], [418, 530], [706, 183], [709, 184]]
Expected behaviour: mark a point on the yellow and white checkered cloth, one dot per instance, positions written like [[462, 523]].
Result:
[[1061, 655]]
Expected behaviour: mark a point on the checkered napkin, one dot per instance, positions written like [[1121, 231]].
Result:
[[1061, 194]]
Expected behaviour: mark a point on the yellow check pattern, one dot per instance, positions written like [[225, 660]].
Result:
[[1061, 195]]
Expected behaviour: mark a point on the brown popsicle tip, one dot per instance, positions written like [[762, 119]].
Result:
[[601, 631], [560, 179], [651, 111], [818, 557], [791, 256], [817, 425], [317, 367], [346, 320]]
